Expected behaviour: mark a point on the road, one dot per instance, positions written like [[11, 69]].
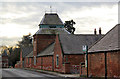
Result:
[[11, 73], [24, 74], [8, 73]]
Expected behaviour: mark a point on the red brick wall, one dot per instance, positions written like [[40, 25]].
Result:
[[45, 63], [66, 68], [32, 62], [113, 64], [58, 51], [83, 70], [5, 61], [21, 55], [26, 62], [41, 41], [74, 61], [39, 63], [96, 64], [21, 59]]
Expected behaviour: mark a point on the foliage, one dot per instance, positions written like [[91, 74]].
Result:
[[14, 51], [2, 49], [14, 56], [26, 41], [69, 26]]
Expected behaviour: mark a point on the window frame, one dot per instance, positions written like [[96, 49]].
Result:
[[57, 60]]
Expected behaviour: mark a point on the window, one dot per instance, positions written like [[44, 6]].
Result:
[[34, 60], [52, 26], [57, 60], [66, 58]]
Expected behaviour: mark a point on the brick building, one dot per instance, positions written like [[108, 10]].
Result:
[[55, 49], [4, 60], [49, 26], [104, 56], [25, 50], [68, 52]]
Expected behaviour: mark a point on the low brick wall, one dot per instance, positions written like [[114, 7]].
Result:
[[96, 64]]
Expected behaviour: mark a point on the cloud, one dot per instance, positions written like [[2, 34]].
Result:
[[104, 16], [20, 18], [9, 41], [59, 1]]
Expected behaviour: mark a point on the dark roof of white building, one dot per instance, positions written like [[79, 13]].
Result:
[[72, 44], [51, 19], [110, 42]]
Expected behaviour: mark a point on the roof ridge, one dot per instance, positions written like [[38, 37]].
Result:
[[104, 35], [61, 43]]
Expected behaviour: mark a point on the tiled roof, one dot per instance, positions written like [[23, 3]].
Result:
[[111, 41], [48, 50], [51, 19], [26, 50], [72, 44], [30, 54], [52, 31]]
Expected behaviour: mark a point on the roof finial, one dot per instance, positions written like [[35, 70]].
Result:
[[51, 9]]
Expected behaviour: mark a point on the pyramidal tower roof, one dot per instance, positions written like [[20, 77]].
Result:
[[110, 42], [51, 24], [51, 19]]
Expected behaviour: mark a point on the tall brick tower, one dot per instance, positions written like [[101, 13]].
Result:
[[49, 26]]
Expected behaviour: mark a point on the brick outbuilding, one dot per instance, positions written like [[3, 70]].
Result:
[[25, 50], [104, 55], [68, 52], [4, 60]]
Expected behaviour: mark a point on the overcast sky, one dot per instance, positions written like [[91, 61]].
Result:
[[20, 18]]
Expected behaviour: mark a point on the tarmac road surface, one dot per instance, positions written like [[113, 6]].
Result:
[[11, 73], [24, 74]]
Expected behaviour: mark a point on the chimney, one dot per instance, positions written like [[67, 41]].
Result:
[[95, 32], [100, 31]]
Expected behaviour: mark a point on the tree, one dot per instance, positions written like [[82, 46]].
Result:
[[26, 41], [10, 50], [14, 56], [69, 26], [3, 48]]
